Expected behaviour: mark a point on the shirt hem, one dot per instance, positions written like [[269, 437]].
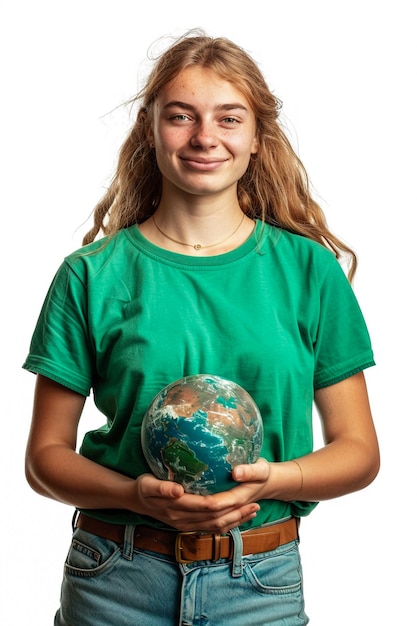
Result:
[[344, 376], [56, 378]]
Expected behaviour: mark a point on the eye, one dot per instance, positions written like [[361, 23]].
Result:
[[180, 117], [230, 120]]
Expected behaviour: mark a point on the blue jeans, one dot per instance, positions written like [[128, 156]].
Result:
[[110, 585]]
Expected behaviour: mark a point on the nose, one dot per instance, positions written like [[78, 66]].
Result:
[[204, 135]]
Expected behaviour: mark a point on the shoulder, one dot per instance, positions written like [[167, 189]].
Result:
[[306, 246], [94, 257], [300, 253]]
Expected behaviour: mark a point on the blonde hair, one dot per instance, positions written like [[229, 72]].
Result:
[[275, 188]]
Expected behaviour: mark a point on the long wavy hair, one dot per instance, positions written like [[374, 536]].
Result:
[[275, 187]]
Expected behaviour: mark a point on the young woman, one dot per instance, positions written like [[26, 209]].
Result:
[[214, 259]]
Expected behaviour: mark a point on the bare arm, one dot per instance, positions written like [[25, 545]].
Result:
[[54, 469], [349, 461]]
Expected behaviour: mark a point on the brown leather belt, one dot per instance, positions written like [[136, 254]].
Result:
[[187, 547]]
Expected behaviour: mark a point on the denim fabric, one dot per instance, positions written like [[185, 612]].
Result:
[[110, 585]]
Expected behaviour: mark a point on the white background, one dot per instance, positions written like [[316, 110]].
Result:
[[346, 74]]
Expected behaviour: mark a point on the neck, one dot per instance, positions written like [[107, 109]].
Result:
[[197, 245], [181, 206], [198, 234]]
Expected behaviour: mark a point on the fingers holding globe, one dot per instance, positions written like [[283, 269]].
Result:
[[197, 429]]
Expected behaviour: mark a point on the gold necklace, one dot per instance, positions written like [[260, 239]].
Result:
[[198, 246]]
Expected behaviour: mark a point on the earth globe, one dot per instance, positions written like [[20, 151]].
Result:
[[197, 429]]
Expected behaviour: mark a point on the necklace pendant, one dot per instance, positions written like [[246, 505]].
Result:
[[197, 246]]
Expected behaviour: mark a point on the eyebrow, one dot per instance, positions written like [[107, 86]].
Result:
[[232, 106]]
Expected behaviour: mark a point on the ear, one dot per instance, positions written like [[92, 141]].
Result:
[[255, 146], [148, 127], [150, 136]]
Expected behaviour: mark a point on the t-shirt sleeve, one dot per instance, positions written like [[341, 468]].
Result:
[[61, 347], [343, 346]]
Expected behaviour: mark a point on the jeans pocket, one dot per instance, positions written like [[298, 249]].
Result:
[[276, 572], [90, 555]]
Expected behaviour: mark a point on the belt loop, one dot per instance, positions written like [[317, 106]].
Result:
[[129, 542], [74, 520], [237, 560], [217, 546]]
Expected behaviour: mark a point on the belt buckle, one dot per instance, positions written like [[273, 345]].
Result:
[[179, 548]]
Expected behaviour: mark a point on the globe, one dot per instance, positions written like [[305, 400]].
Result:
[[197, 429]]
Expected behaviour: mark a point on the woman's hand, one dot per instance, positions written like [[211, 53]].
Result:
[[217, 513]]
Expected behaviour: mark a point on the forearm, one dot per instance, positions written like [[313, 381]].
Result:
[[350, 459], [337, 469], [64, 475]]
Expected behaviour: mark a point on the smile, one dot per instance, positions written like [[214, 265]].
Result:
[[202, 165]]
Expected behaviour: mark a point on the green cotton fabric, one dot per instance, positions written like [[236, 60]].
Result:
[[124, 318]]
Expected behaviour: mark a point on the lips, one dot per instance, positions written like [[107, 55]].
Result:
[[202, 165]]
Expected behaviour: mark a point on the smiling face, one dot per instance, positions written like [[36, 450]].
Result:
[[204, 132]]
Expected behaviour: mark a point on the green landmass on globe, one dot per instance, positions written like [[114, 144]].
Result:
[[181, 462]]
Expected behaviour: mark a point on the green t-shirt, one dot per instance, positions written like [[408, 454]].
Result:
[[277, 316]]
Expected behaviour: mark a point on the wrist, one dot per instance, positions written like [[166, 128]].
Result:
[[287, 481], [300, 490]]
